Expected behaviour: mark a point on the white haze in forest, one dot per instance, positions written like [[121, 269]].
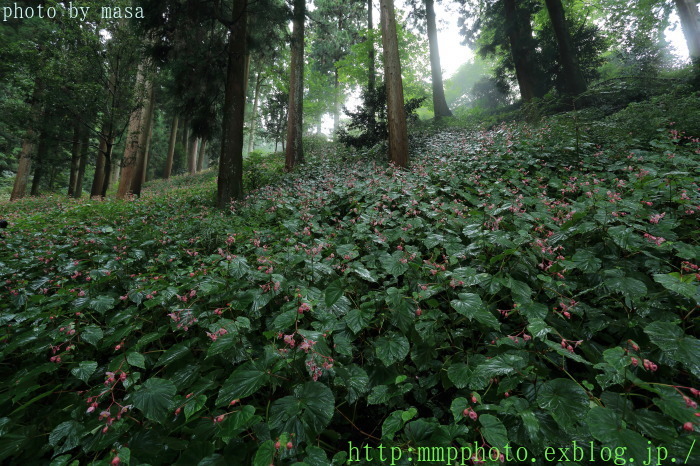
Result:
[[453, 54]]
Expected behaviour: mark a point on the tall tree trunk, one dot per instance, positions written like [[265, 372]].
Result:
[[24, 167], [439, 104], [75, 157], [254, 116], [230, 181], [109, 165], [295, 146], [573, 77], [149, 138], [133, 138], [98, 178], [144, 142], [115, 171], [371, 73], [192, 157], [187, 142], [690, 23], [84, 147], [40, 165], [171, 148], [336, 101], [202, 155], [52, 173], [522, 49], [396, 115]]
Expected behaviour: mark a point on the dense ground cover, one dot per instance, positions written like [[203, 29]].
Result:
[[520, 286]]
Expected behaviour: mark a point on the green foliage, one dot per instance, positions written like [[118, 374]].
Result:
[[261, 169], [368, 124], [528, 285]]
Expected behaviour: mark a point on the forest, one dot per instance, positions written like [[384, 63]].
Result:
[[323, 232]]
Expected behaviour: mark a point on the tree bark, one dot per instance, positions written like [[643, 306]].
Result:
[[98, 178], [336, 101], [573, 77], [440, 107], [131, 151], [396, 116], [192, 157], [371, 76], [108, 165], [139, 173], [84, 146], [202, 155], [254, 116], [230, 181], [75, 157], [149, 136], [40, 165], [24, 168], [187, 143], [295, 147], [171, 148], [690, 23], [522, 48]]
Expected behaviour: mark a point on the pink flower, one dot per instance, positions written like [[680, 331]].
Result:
[[306, 345], [656, 217]]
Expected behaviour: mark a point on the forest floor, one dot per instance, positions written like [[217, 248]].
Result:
[[518, 287]]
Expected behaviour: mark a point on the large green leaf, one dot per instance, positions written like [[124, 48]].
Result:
[[84, 370], [459, 374], [672, 281], [243, 382], [608, 428], [102, 304], [565, 400], [392, 263], [136, 359], [307, 412], [392, 347], [265, 455], [155, 399], [333, 292], [238, 267], [494, 431], [92, 335], [471, 306], [355, 380]]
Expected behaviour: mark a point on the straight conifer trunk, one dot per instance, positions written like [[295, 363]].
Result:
[[396, 115], [690, 23], [108, 164], [230, 181], [98, 178], [84, 146], [254, 116], [522, 49], [131, 150], [336, 101], [171, 148], [440, 107], [371, 76], [200, 157], [39, 166], [295, 150], [24, 167], [75, 158], [147, 133], [192, 157], [573, 77]]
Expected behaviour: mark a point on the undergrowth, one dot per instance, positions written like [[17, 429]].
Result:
[[516, 289]]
